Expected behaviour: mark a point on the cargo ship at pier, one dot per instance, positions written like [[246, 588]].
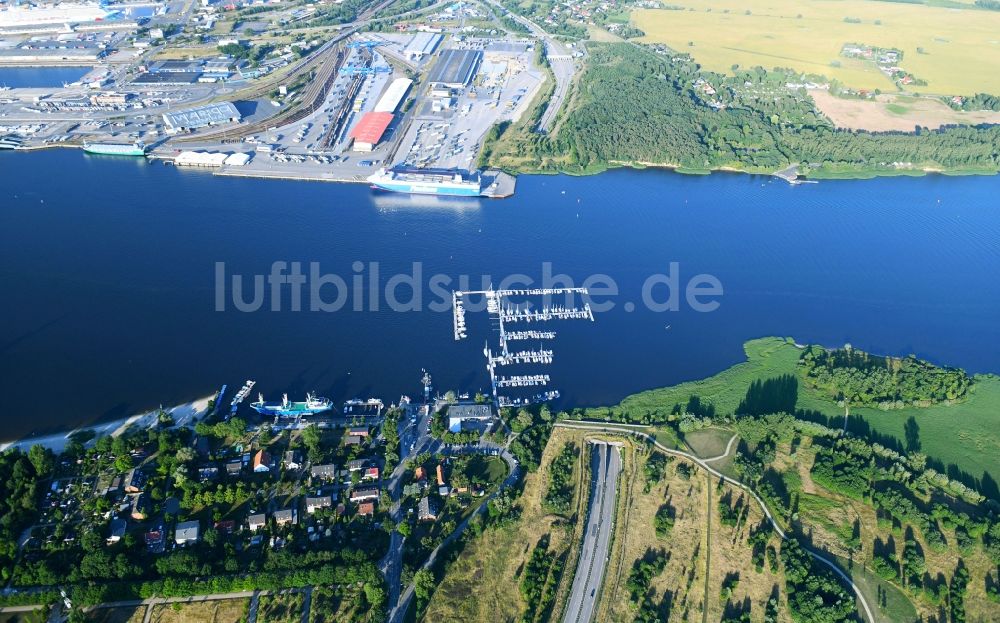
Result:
[[116, 149], [286, 408], [446, 182]]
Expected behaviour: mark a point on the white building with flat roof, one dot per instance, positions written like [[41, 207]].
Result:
[[393, 96], [200, 117], [421, 45]]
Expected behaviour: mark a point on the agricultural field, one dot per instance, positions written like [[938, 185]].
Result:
[[483, 583], [955, 50], [963, 435], [890, 112], [215, 611]]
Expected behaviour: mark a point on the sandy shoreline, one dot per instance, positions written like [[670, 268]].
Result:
[[183, 414]]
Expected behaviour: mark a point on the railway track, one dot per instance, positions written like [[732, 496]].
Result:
[[319, 59]]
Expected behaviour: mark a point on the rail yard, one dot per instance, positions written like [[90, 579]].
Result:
[[404, 110]]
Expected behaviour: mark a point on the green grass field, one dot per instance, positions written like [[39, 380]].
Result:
[[708, 442], [766, 357], [966, 435], [960, 47]]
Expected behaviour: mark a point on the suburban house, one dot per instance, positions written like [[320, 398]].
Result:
[[256, 522], [440, 475], [187, 532], [116, 530], [154, 541], [286, 517], [358, 431], [234, 467], [292, 460], [420, 474], [371, 473], [427, 510], [356, 465], [135, 481], [363, 495], [261, 462], [444, 491], [140, 507], [366, 509], [325, 472], [226, 526], [352, 440], [115, 487], [314, 504], [208, 473]]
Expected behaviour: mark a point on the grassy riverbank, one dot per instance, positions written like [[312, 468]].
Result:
[[960, 436]]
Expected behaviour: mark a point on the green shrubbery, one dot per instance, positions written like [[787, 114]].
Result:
[[858, 378], [559, 494]]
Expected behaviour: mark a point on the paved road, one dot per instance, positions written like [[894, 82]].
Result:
[[251, 616], [560, 60], [413, 439], [635, 430], [397, 610], [605, 468]]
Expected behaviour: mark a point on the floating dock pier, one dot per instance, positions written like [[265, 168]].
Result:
[[504, 312], [240, 396]]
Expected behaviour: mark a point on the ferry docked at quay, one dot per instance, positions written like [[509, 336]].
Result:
[[116, 149], [443, 182]]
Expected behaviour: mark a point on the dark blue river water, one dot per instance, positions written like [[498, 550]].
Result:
[[108, 270], [40, 77]]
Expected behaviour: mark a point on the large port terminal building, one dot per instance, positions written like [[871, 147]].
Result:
[[455, 69]]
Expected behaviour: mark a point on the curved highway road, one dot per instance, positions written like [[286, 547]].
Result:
[[767, 513]]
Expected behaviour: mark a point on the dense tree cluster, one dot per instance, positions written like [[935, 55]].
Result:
[[842, 472], [559, 494], [654, 469], [663, 520], [390, 432], [637, 106], [539, 581], [533, 428], [639, 579], [859, 378], [979, 101], [20, 478], [815, 594]]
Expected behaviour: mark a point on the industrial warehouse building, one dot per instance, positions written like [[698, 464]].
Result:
[[200, 117], [393, 96], [455, 68], [369, 130], [422, 44]]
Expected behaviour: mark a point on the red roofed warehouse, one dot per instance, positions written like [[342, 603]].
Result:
[[369, 130]]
